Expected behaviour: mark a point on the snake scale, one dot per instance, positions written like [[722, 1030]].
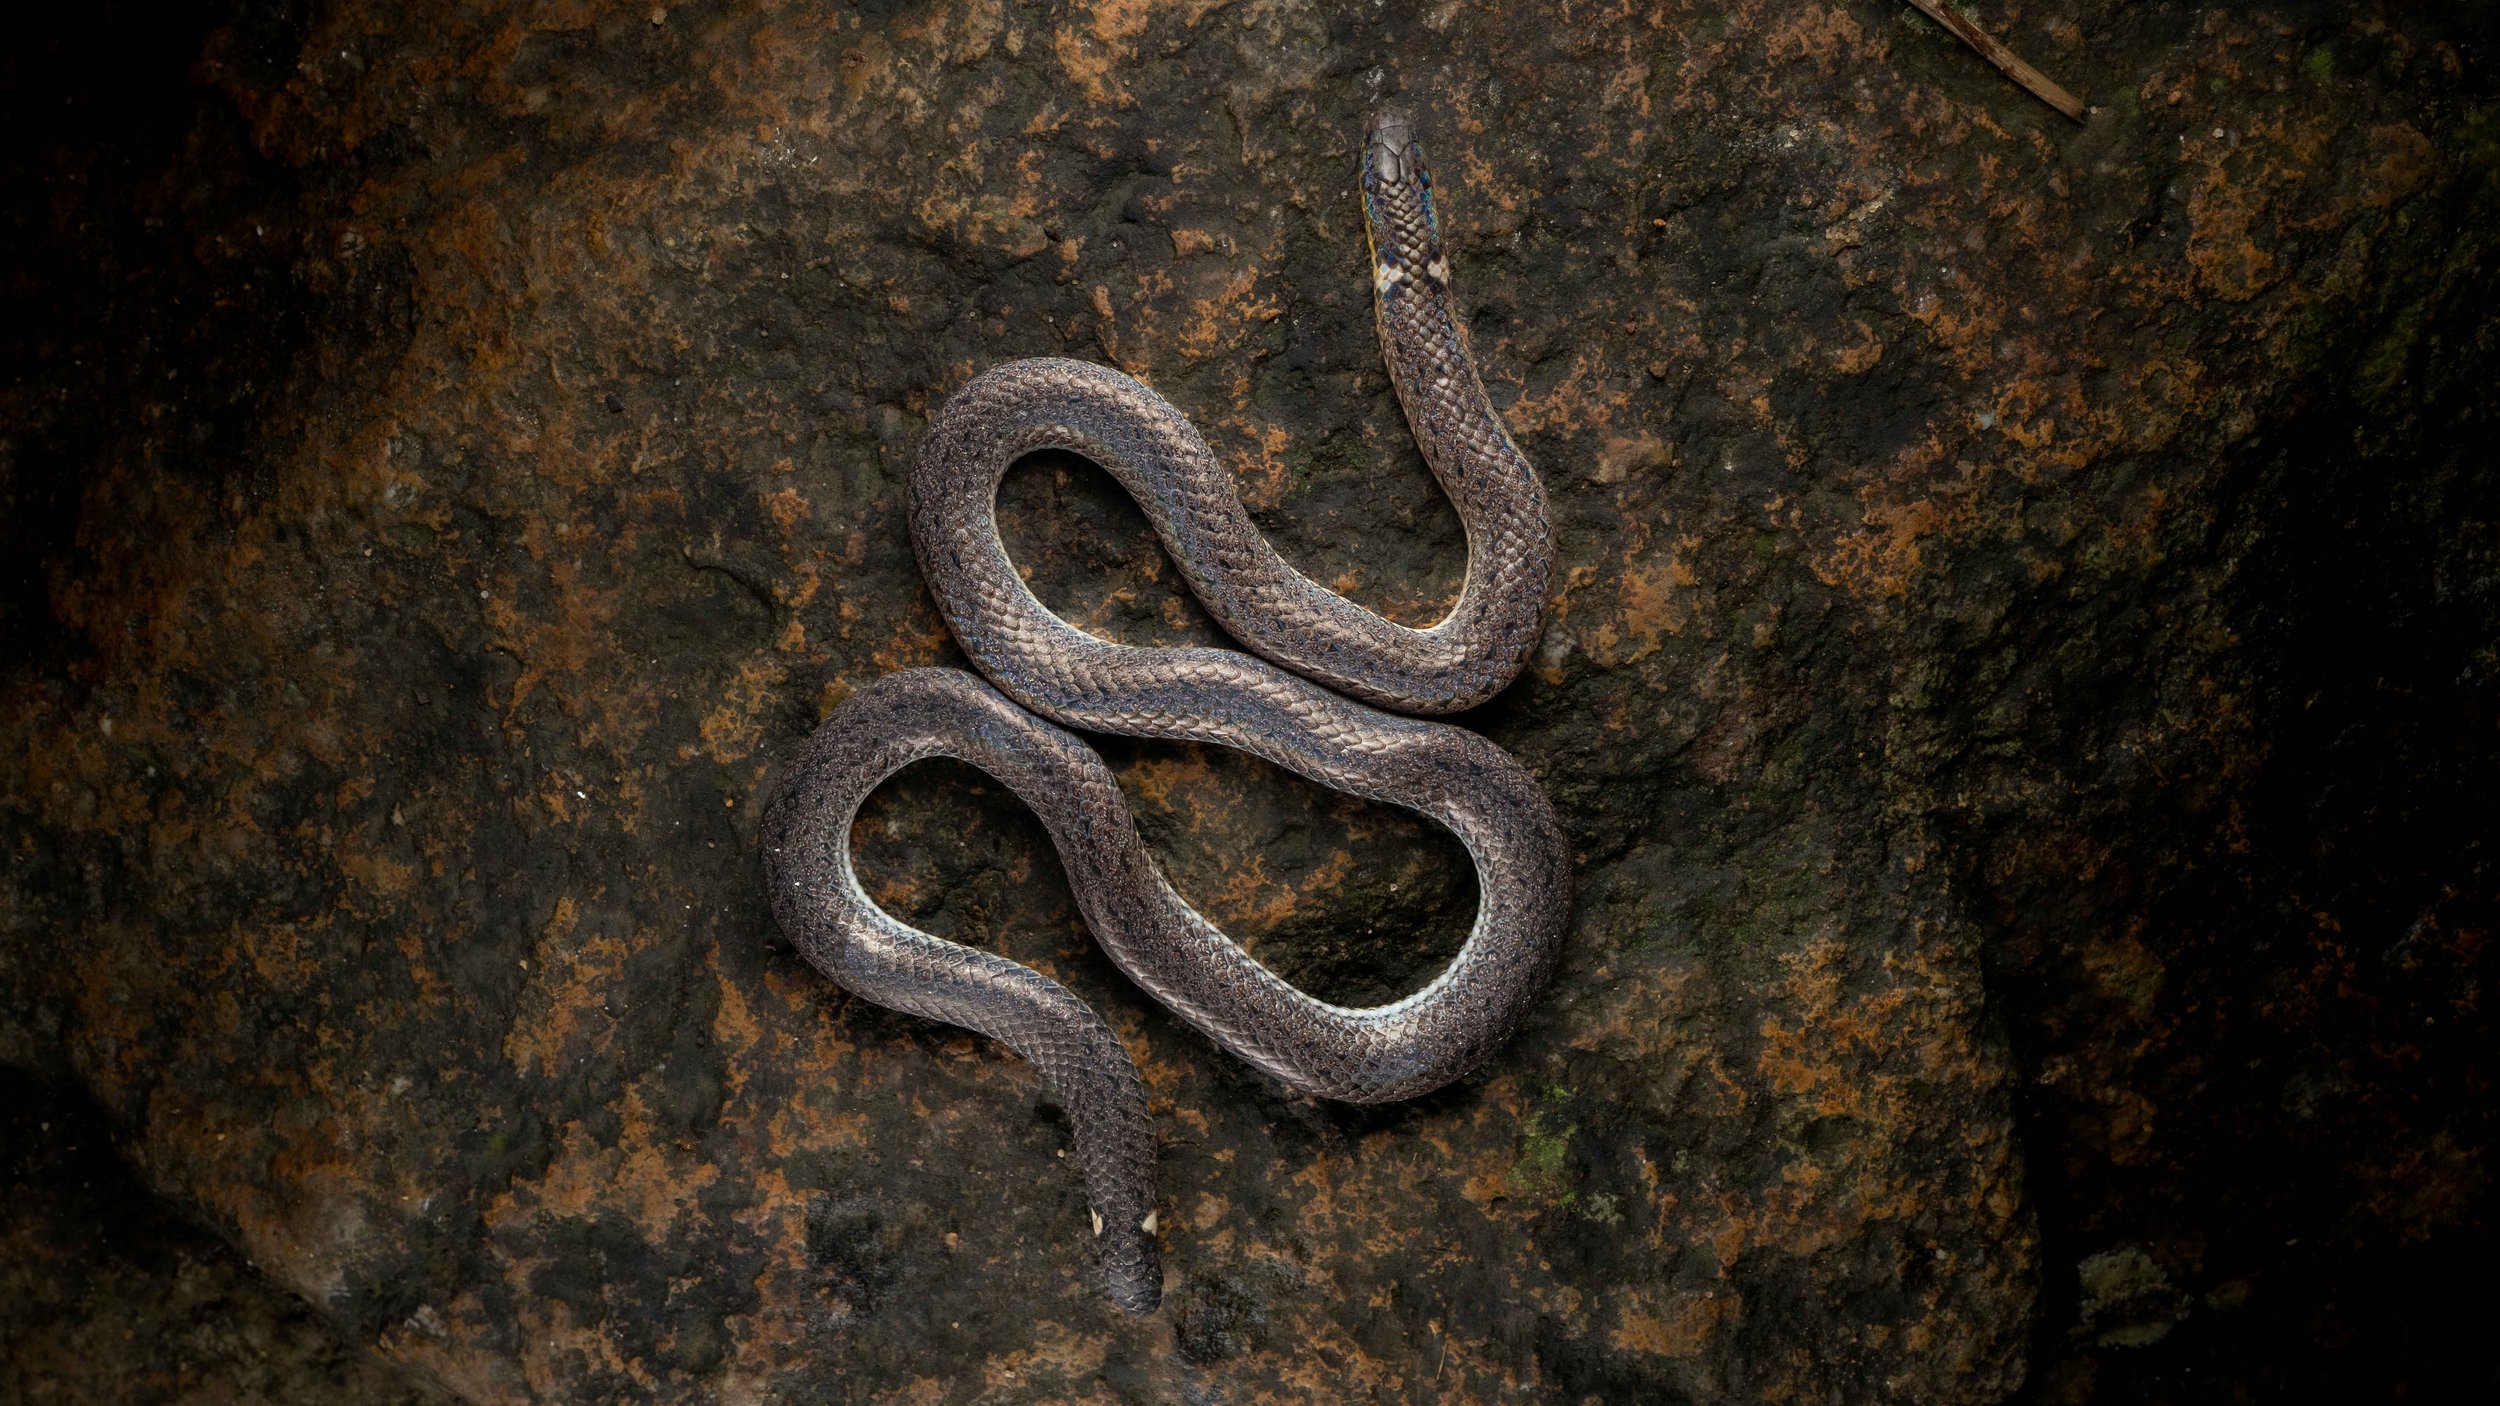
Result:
[[1291, 701]]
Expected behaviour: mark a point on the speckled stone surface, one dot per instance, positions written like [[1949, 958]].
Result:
[[2025, 607]]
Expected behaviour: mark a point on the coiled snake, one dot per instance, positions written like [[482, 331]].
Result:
[[1274, 706]]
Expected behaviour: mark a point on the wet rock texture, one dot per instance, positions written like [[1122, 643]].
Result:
[[2020, 675]]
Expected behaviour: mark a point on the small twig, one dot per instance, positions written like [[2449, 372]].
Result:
[[2004, 58]]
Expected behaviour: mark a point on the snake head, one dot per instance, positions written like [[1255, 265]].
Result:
[[1390, 155]]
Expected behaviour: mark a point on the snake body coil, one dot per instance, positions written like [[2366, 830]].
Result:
[[1275, 710]]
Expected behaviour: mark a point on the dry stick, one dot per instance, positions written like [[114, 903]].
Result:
[[2003, 58]]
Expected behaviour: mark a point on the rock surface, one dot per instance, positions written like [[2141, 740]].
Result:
[[105, 1296], [2024, 638]]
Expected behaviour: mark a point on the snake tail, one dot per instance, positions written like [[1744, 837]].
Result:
[[922, 713]]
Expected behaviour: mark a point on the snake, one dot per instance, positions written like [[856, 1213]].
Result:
[[1322, 687]]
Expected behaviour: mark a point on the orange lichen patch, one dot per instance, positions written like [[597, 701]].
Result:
[[557, 1350], [1913, 1030], [1134, 338], [1090, 52], [1479, 1155], [893, 893], [561, 643], [732, 731], [1186, 242], [1168, 1079], [917, 640], [1220, 322], [1484, 187], [1570, 589], [651, 1183], [2228, 260], [1677, 1327], [463, 307], [734, 1022], [1803, 1058], [421, 973], [279, 955], [788, 509], [1880, 558], [980, 27], [1583, 400], [1622, 456], [1826, 37], [1647, 605], [1169, 782], [564, 1013], [1962, 324], [1260, 454], [1251, 903], [2029, 413], [821, 1113], [965, 201], [764, 1342], [373, 872], [1861, 355], [2127, 1123], [1329, 1362], [1099, 619], [785, 1027], [1208, 1212]]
